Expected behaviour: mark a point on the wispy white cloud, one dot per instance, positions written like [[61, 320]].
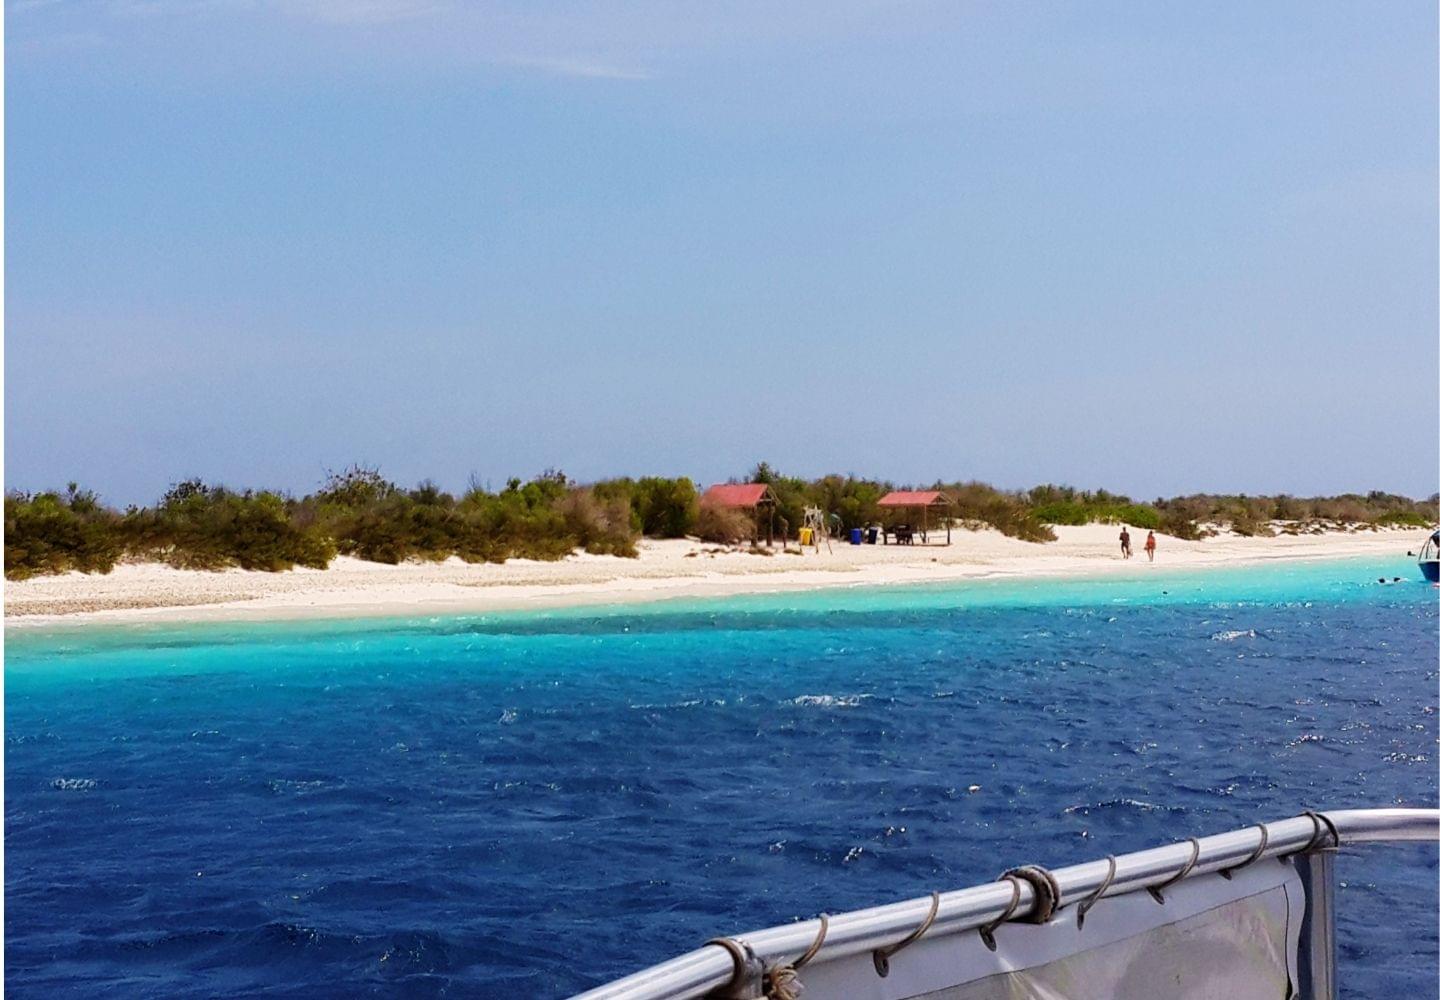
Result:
[[594, 42], [581, 67], [451, 29], [324, 11], [364, 11]]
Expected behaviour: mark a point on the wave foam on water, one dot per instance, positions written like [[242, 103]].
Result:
[[293, 786], [831, 700], [1136, 805], [74, 784], [688, 703]]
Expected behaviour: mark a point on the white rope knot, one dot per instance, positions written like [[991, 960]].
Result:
[[782, 983]]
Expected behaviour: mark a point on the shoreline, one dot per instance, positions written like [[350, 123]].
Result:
[[665, 570]]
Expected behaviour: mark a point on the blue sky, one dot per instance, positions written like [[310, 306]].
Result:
[[1151, 247]]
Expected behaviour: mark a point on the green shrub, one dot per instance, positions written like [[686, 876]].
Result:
[[429, 523], [1244, 521], [1068, 512], [355, 487], [1404, 518], [58, 532], [852, 500], [525, 521], [1177, 524], [601, 527], [1065, 505], [1008, 513], [666, 508], [1139, 515], [376, 533], [202, 527]]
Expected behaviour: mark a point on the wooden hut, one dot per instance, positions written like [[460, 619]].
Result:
[[919, 507]]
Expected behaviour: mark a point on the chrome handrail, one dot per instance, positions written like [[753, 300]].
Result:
[[709, 968]]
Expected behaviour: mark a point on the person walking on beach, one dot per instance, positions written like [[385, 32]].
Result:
[[1124, 541], [1150, 546]]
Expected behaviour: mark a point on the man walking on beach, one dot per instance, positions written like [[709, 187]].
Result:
[[1125, 541], [1150, 546]]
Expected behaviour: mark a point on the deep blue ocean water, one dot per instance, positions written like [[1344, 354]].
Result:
[[531, 804]]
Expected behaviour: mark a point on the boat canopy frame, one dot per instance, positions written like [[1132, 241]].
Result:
[[734, 967], [1430, 551]]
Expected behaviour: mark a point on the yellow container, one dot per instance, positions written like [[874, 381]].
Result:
[[807, 536]]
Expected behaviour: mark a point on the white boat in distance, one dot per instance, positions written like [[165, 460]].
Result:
[[1237, 915]]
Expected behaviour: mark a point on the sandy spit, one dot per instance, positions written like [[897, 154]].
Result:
[[665, 569]]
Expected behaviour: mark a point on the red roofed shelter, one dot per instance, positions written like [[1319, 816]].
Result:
[[754, 497], [923, 503]]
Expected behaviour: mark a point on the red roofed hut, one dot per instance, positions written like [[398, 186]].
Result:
[[919, 505], [753, 497]]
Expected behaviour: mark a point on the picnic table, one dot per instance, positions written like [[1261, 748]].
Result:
[[904, 534]]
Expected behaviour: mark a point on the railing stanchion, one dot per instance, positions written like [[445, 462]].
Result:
[[1317, 931]]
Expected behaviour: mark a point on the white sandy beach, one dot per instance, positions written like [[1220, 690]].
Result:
[[665, 569]]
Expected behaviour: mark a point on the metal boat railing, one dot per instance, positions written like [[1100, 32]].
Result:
[[1310, 838]]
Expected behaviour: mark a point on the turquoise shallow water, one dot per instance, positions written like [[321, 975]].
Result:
[[538, 802]]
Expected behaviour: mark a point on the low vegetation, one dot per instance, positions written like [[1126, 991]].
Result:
[[358, 512], [723, 525], [56, 532]]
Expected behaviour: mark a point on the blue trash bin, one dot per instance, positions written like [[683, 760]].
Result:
[[856, 536]]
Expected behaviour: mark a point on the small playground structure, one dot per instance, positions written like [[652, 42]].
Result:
[[815, 529]]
